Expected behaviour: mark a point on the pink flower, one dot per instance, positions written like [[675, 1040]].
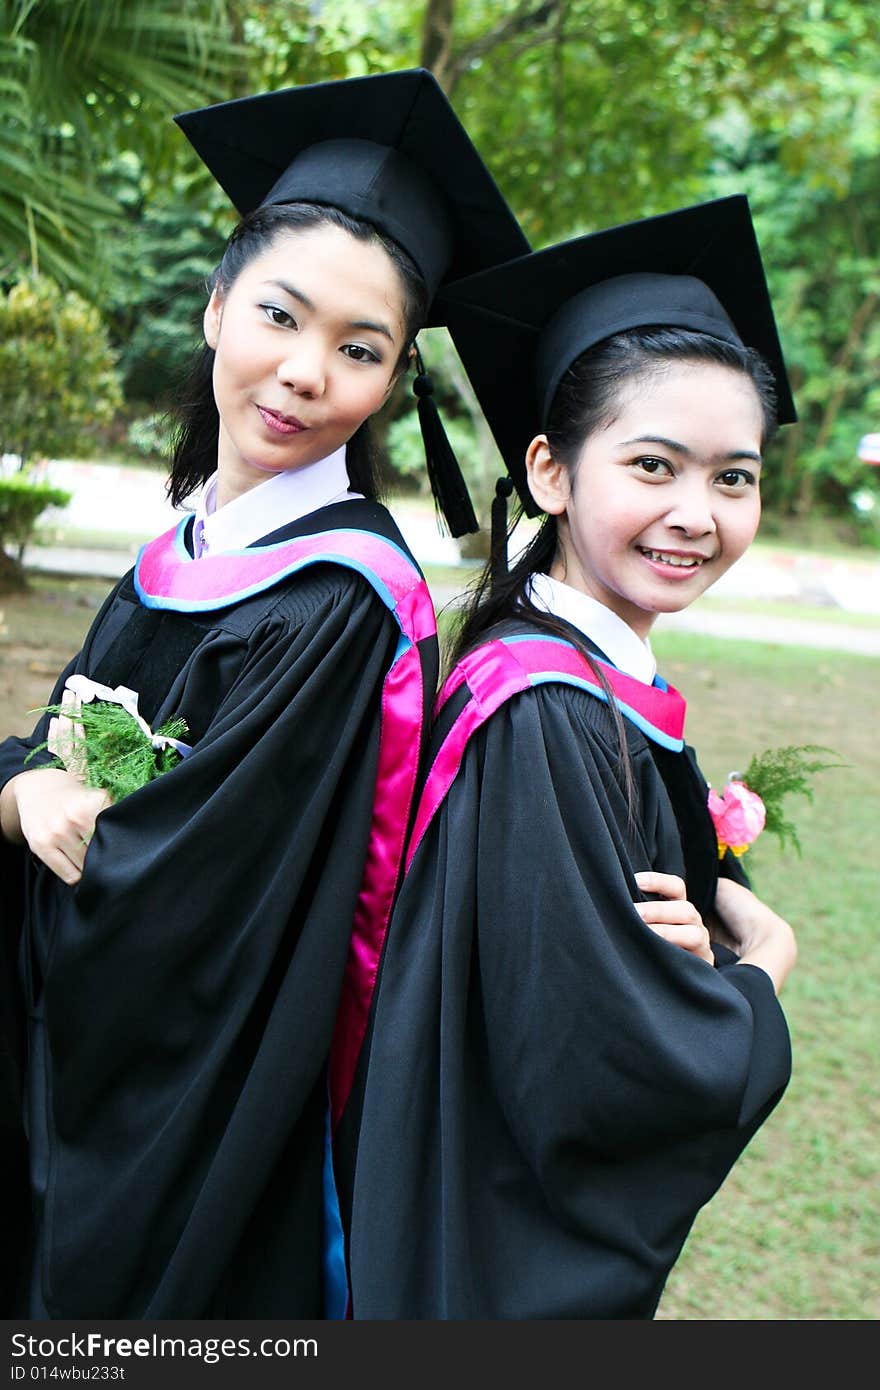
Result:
[[738, 817]]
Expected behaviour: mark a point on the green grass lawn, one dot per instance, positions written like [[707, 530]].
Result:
[[794, 1232]]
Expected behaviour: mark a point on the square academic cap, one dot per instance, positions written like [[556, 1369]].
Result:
[[518, 327], [386, 148]]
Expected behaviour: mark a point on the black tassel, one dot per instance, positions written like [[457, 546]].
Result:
[[447, 484], [498, 542]]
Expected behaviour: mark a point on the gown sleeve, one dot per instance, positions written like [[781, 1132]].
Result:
[[189, 982], [14, 1187], [597, 1027], [594, 1083]]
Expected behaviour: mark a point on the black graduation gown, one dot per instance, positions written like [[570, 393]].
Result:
[[182, 997], [553, 1091]]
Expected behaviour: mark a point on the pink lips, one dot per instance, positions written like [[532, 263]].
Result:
[[281, 424]]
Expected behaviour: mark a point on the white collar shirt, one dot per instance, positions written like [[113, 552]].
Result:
[[623, 647], [282, 498]]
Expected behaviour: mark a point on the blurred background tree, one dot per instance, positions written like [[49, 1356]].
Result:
[[58, 376], [58, 383], [588, 112]]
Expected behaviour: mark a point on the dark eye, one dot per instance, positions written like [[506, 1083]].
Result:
[[737, 478], [358, 353], [277, 315], [654, 467]]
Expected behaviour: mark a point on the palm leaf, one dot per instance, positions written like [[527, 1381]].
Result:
[[72, 72]]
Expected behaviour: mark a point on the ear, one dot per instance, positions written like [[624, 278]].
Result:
[[212, 318], [549, 482]]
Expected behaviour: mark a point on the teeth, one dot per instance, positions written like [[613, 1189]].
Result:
[[679, 561]]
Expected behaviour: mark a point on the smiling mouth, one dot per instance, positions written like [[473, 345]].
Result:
[[281, 424], [669, 557]]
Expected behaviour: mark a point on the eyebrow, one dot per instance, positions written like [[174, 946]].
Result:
[[683, 448], [366, 324]]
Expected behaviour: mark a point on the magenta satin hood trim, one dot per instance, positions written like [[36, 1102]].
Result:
[[503, 668], [167, 576]]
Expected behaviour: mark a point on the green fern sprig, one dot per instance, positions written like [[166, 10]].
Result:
[[780, 772], [112, 749]]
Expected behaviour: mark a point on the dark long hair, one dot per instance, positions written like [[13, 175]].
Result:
[[196, 424], [587, 399]]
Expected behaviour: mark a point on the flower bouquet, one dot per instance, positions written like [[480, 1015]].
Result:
[[753, 801]]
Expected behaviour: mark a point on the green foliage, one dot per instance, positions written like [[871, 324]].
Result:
[[175, 242], [22, 501], [406, 450], [865, 504], [818, 222], [109, 749], [293, 41], [590, 114], [587, 112], [150, 436], [80, 79], [57, 372], [780, 772], [594, 111]]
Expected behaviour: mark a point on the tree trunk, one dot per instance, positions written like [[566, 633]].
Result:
[[436, 51], [239, 77], [843, 361], [12, 576]]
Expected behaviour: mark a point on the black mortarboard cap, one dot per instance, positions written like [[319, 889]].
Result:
[[518, 327], [387, 148]]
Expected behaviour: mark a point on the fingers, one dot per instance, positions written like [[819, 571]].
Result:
[[60, 846], [672, 915], [667, 885], [691, 937], [57, 817], [669, 913], [673, 907], [66, 736], [65, 862]]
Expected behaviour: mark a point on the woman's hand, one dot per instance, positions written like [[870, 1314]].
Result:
[[66, 736], [757, 934], [675, 919], [54, 814]]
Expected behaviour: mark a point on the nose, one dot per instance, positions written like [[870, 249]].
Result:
[[691, 508], [302, 368]]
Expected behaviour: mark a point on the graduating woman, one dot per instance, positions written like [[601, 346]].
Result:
[[191, 954], [563, 1067]]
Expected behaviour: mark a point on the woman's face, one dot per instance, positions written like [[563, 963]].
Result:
[[665, 498], [307, 340]]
